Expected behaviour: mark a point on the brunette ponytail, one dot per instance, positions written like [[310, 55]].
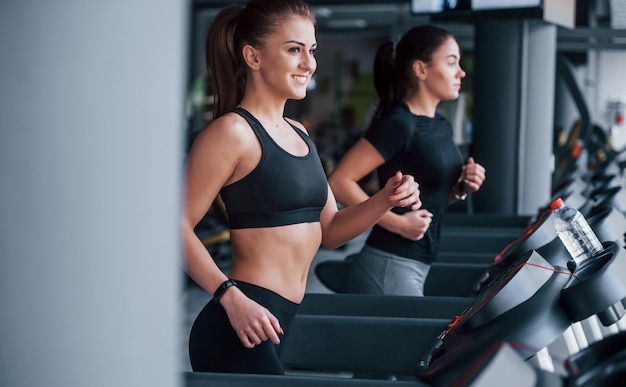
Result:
[[224, 63], [384, 77]]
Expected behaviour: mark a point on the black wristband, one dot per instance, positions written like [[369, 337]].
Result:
[[219, 292]]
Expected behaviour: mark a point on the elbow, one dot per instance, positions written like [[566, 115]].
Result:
[[330, 246], [330, 243]]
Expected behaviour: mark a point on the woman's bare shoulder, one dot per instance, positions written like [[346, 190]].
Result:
[[230, 130]]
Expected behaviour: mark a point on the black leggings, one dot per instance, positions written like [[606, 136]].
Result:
[[215, 347]]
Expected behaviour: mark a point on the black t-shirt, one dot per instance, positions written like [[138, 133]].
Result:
[[423, 147]]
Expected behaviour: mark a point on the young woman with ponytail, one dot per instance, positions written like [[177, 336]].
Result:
[[267, 171], [411, 77]]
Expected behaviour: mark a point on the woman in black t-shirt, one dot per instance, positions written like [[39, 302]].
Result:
[[406, 133]]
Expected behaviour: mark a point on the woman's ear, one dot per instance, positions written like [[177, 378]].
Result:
[[250, 55], [419, 69]]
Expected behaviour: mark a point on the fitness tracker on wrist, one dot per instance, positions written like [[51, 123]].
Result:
[[457, 196], [219, 292]]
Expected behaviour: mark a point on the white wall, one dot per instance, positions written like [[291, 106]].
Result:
[[91, 121], [611, 81]]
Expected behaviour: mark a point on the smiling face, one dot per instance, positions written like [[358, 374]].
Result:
[[442, 75], [286, 60]]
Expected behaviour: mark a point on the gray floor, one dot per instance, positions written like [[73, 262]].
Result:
[[194, 298]]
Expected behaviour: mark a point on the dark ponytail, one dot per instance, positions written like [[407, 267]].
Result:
[[233, 28], [384, 77], [393, 65], [224, 64]]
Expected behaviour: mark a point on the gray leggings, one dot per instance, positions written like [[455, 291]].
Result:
[[374, 271]]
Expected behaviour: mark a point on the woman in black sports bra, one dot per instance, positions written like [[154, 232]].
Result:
[[269, 175]]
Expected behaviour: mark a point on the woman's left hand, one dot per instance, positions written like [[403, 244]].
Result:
[[473, 176]]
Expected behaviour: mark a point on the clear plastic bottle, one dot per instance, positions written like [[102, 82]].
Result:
[[575, 233]]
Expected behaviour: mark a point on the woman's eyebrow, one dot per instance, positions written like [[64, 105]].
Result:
[[300, 43]]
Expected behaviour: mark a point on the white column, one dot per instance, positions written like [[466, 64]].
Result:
[[537, 116], [91, 122]]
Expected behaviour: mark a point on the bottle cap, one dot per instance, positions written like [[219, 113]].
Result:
[[556, 203]]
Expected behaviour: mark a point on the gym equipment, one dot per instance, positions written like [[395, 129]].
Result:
[[608, 224], [502, 364], [529, 308]]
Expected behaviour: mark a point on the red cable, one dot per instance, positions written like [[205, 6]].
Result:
[[456, 320], [529, 230]]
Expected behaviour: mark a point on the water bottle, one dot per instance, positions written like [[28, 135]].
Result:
[[575, 233]]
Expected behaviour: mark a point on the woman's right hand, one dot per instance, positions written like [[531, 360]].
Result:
[[252, 322], [413, 224]]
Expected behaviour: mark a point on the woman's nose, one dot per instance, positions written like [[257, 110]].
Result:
[[309, 62]]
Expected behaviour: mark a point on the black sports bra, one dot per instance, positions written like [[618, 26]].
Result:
[[283, 189]]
